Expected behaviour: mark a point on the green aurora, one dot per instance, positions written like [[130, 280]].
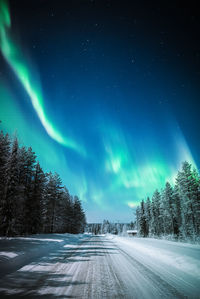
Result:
[[13, 54]]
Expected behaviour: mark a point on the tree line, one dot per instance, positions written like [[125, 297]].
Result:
[[107, 227], [32, 201], [175, 210]]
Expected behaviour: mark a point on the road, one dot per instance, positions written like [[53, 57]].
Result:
[[99, 267]]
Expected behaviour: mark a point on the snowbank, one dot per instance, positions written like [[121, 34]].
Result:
[[15, 252], [175, 262]]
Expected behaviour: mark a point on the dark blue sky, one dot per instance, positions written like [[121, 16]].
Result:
[[121, 78]]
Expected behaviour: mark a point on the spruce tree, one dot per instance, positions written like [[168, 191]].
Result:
[[11, 206], [4, 157], [68, 210], [37, 197], [30, 163], [148, 215], [176, 210], [188, 191], [143, 222], [157, 224], [31, 201], [166, 211], [79, 216], [52, 194]]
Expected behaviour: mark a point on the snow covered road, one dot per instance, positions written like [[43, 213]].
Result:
[[109, 267]]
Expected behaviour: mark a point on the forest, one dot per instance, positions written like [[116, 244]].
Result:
[[173, 211], [107, 227], [32, 201]]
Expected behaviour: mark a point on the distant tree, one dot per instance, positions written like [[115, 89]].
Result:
[[132, 225], [137, 214], [105, 227], [143, 223]]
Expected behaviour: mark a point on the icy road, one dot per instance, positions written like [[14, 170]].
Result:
[[103, 267]]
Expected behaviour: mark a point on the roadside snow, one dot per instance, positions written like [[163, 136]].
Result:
[[179, 264], [15, 252], [184, 257], [7, 254]]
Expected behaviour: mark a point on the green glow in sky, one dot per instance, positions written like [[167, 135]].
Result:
[[12, 116], [14, 56], [140, 173]]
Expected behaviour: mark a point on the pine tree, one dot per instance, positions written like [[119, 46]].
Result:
[[11, 205], [37, 197], [4, 157], [137, 214], [31, 201], [79, 217], [166, 211], [148, 215], [52, 194], [195, 185], [157, 225], [188, 191], [68, 211], [143, 224], [176, 210], [29, 167]]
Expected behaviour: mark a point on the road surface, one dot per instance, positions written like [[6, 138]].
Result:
[[103, 267]]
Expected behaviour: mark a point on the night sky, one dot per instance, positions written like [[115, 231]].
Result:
[[106, 93]]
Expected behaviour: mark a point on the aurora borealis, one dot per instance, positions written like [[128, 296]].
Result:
[[13, 54], [105, 92]]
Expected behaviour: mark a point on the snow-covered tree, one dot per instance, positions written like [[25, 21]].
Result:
[[147, 207], [4, 157], [37, 199], [52, 193], [188, 186], [30, 200], [166, 211], [12, 217], [143, 223], [175, 210], [156, 221]]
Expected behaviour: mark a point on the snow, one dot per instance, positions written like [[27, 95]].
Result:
[[106, 266], [178, 263], [7, 254], [185, 257], [18, 251]]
